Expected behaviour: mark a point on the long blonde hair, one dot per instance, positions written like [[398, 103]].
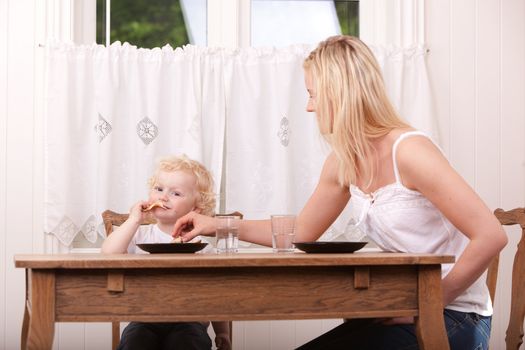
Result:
[[351, 103], [203, 179]]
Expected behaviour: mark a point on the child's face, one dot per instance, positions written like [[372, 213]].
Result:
[[177, 191]]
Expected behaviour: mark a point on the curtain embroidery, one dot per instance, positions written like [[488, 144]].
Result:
[[147, 130], [103, 128], [284, 131]]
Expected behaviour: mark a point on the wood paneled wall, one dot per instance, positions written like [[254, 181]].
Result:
[[477, 71]]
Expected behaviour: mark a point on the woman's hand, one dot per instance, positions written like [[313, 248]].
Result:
[[194, 224]]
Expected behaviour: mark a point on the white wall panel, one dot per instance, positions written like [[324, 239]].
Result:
[[513, 104], [477, 70], [306, 330], [257, 335], [3, 173], [97, 336], [282, 334], [19, 159], [488, 100], [512, 149], [438, 42], [462, 91]]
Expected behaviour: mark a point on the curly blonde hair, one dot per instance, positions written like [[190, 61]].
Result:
[[351, 103], [203, 179]]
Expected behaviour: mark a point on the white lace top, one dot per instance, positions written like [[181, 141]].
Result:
[[398, 219]]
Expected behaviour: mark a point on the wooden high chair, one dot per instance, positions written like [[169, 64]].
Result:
[[112, 219], [514, 336]]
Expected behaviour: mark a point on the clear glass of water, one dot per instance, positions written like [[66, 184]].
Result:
[[283, 233], [227, 234]]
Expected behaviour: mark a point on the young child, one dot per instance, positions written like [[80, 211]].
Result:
[[179, 185]]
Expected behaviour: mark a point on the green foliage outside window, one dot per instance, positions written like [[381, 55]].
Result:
[[348, 14], [144, 23]]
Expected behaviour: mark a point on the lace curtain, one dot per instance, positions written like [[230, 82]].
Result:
[[274, 152], [112, 111]]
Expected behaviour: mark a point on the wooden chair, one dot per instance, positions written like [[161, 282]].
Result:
[[514, 336], [112, 219]]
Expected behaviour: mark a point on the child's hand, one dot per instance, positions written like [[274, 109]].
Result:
[[136, 213]]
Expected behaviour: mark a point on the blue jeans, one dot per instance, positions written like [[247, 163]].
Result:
[[165, 336], [465, 331]]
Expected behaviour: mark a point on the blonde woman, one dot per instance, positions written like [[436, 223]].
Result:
[[407, 196], [179, 185]]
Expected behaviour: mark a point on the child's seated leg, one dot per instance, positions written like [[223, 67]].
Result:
[[140, 336]]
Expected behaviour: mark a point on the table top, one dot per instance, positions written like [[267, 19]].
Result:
[[94, 261]]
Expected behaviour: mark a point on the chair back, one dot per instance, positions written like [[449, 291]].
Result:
[[111, 219], [514, 336]]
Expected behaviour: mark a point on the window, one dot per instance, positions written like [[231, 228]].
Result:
[[287, 22], [155, 23], [151, 23]]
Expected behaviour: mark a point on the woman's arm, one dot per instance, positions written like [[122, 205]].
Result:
[[118, 240], [322, 208], [423, 167], [324, 205]]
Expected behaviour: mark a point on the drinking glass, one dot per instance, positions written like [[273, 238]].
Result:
[[227, 234], [283, 233]]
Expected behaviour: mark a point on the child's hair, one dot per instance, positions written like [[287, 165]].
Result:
[[203, 179]]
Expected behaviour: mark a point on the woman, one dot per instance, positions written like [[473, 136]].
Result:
[[407, 196]]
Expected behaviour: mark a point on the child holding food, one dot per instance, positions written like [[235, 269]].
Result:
[[179, 185]]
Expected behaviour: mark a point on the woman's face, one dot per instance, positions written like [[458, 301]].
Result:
[[325, 126], [308, 81]]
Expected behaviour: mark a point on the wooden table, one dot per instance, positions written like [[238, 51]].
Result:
[[194, 287]]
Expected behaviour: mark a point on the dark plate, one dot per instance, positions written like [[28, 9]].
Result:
[[329, 247], [159, 248]]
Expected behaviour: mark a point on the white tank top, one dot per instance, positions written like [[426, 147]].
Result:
[[399, 219]]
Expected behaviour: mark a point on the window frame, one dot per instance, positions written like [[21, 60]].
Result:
[[381, 22]]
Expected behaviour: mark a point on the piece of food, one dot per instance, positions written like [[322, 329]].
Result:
[[179, 240], [154, 205]]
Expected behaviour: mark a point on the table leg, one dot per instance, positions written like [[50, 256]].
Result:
[[25, 325], [430, 324], [27, 315], [41, 323]]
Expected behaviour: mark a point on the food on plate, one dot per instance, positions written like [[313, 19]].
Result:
[[179, 240]]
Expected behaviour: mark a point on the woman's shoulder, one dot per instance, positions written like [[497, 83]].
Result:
[[418, 155], [408, 141]]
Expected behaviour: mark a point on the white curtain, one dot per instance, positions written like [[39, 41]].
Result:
[[274, 152], [113, 111]]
